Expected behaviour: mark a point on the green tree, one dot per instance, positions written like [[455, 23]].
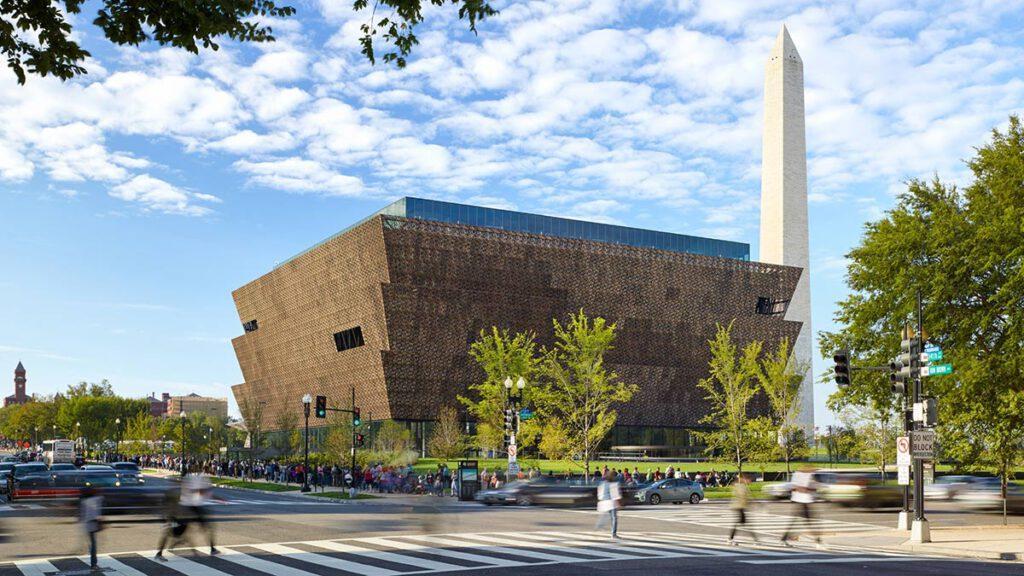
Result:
[[398, 19], [780, 375], [502, 355], [729, 388], [447, 440], [579, 392], [252, 414], [37, 37], [140, 434], [875, 429], [287, 436], [392, 438], [962, 248]]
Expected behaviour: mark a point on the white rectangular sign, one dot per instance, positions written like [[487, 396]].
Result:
[[918, 411], [903, 451], [904, 476]]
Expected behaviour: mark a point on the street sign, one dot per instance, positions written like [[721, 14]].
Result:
[[937, 370], [512, 452], [922, 444], [934, 355], [903, 451], [513, 468], [525, 414], [929, 473], [903, 478], [918, 411]]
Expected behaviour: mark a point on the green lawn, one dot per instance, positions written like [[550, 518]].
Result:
[[561, 466], [265, 486], [756, 491], [344, 495]]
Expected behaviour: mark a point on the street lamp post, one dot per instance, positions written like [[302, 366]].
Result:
[[78, 437], [182, 416], [513, 400], [306, 400], [117, 438]]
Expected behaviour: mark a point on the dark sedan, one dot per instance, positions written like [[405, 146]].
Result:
[[121, 493], [546, 491]]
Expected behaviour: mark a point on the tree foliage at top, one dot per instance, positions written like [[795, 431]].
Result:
[[36, 36], [730, 386], [964, 249], [501, 354], [780, 375], [398, 19], [579, 394]]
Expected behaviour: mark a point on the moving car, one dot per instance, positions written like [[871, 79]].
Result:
[[94, 467], [126, 467], [862, 491], [120, 493], [58, 467], [987, 495], [783, 490], [949, 487], [675, 490], [6, 475], [543, 490]]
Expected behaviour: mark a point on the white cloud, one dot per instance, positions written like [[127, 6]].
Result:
[[153, 194], [298, 175]]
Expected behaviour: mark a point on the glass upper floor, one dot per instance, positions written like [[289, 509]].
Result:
[[450, 212], [436, 210]]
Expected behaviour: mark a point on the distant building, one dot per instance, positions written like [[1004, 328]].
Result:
[[19, 396], [216, 407], [158, 406]]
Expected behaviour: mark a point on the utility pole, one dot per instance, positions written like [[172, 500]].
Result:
[[919, 531], [306, 401], [355, 422]]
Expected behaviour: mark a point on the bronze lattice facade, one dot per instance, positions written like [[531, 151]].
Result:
[[406, 297]]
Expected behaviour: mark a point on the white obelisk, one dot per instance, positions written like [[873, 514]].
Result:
[[784, 195]]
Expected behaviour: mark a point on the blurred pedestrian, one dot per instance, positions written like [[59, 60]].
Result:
[[804, 489], [740, 501], [609, 498], [91, 509], [195, 495], [174, 524]]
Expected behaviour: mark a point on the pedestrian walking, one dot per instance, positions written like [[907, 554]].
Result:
[[609, 499], [174, 525], [740, 501], [91, 509], [195, 493], [803, 495]]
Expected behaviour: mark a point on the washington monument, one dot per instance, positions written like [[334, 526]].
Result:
[[784, 195]]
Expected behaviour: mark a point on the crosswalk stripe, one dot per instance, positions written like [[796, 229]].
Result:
[[498, 549], [119, 567], [382, 555], [35, 567], [692, 549], [330, 561], [275, 568], [517, 542], [478, 558], [186, 566]]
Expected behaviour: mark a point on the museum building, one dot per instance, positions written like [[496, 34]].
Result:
[[389, 307]]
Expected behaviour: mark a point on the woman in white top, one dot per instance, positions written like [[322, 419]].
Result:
[[609, 498]]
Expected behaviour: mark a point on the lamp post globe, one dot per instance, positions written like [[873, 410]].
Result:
[[306, 401], [508, 382]]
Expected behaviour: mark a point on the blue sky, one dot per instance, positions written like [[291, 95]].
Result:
[[134, 199]]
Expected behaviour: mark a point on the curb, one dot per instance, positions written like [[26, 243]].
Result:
[[945, 551]]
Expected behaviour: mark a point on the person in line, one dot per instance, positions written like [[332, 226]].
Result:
[[609, 498], [740, 501], [195, 493], [91, 509], [804, 489]]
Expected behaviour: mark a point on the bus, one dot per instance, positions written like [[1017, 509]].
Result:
[[58, 452]]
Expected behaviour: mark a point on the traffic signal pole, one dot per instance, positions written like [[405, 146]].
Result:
[[920, 531]]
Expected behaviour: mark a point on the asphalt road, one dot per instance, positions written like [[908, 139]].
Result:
[[287, 536]]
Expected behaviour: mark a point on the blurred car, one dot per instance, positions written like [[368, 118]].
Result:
[[126, 467], [862, 491], [987, 495], [675, 490], [949, 487], [62, 466], [96, 467], [120, 494], [6, 475], [543, 490], [783, 490]]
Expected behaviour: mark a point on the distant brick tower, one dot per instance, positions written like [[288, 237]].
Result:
[[19, 396]]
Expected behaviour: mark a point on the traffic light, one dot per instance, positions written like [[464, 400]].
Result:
[[509, 419], [321, 406], [356, 420], [841, 370], [906, 366], [931, 412], [359, 440]]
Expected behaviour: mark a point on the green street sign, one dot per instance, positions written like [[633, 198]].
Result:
[[934, 355], [940, 369]]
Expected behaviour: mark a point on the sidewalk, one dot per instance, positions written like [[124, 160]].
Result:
[[985, 542]]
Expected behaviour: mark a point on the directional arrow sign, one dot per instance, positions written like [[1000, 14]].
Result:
[[937, 370]]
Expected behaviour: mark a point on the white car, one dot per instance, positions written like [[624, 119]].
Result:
[[949, 487]]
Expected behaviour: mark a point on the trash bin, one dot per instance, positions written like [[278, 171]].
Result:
[[469, 479]]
